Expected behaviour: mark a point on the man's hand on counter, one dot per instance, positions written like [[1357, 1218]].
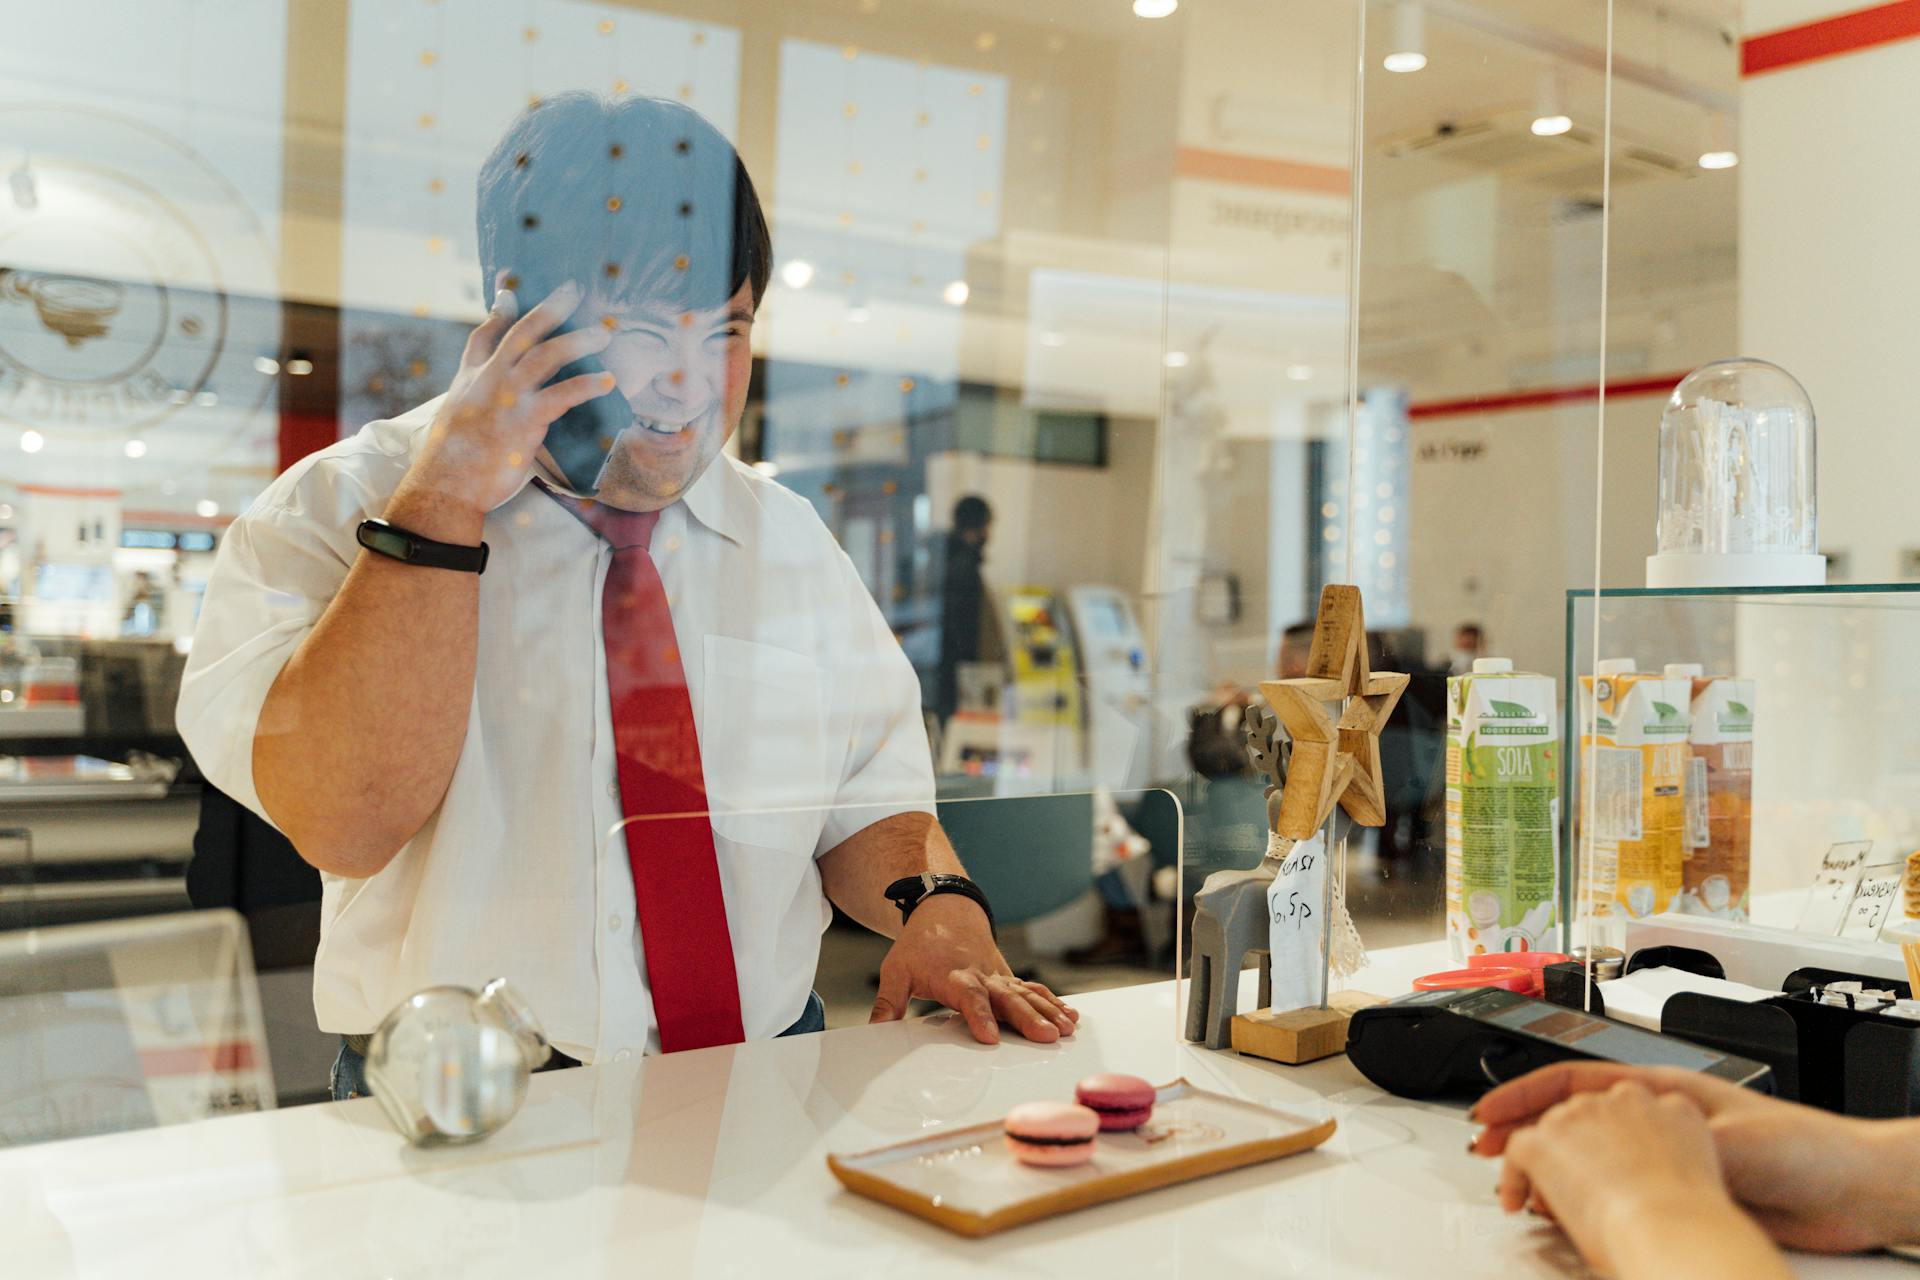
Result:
[[946, 952]]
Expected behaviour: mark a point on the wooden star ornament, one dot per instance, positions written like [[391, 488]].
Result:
[[1335, 761]]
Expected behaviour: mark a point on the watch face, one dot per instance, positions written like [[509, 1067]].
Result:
[[389, 543]]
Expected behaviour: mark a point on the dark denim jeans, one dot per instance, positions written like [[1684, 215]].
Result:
[[349, 1079]]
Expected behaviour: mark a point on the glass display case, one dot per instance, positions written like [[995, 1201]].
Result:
[[1792, 788]]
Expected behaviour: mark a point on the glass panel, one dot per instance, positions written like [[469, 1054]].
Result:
[[1747, 796], [1010, 395]]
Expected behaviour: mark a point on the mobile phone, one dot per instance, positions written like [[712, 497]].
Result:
[[580, 439]]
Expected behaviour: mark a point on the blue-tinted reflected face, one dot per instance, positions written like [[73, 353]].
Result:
[[683, 375]]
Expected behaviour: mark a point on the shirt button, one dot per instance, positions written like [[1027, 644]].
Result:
[[623, 1055], [613, 923]]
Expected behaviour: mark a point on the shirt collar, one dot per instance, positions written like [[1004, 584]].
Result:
[[719, 499]]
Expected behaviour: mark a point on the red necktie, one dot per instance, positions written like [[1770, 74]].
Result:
[[676, 876]]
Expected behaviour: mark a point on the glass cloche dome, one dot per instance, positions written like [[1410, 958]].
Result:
[[1737, 481]]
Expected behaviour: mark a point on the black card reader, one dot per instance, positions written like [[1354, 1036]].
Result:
[[1459, 1044]]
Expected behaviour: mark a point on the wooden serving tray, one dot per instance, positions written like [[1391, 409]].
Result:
[[966, 1180]]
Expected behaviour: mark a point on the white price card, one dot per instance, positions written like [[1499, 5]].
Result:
[[1296, 902], [1834, 886], [1873, 901]]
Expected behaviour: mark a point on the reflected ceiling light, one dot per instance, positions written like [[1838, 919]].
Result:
[[32, 442], [1154, 8], [797, 274], [956, 293], [1175, 359], [1407, 38], [1299, 372], [206, 508], [136, 448], [1719, 159], [1550, 118], [266, 365], [299, 368], [6, 511], [767, 467]]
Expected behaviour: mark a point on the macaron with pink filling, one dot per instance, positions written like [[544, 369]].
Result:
[[1053, 1134], [1121, 1102]]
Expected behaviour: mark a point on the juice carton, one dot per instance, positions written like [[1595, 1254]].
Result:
[[1503, 810], [1634, 761], [1719, 794]]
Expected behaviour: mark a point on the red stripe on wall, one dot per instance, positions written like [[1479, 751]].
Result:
[[305, 433], [1655, 386], [1830, 37], [233, 1055], [1261, 171]]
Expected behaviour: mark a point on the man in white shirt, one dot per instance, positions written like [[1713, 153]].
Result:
[[494, 770]]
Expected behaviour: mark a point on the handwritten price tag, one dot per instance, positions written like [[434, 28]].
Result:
[[1295, 902], [1834, 886], [1873, 901]]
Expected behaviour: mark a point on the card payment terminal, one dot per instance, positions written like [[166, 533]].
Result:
[[1459, 1044]]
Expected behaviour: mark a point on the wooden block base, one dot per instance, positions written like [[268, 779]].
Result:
[[1299, 1036]]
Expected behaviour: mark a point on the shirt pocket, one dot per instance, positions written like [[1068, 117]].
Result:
[[762, 737]]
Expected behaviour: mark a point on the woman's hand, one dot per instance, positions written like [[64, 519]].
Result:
[[1632, 1177], [1812, 1179]]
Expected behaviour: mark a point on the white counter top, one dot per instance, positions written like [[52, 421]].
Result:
[[713, 1163]]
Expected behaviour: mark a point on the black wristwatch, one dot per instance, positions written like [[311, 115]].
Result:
[[402, 544], [910, 892]]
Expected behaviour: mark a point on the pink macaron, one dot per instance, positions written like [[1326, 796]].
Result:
[[1051, 1133], [1122, 1102]]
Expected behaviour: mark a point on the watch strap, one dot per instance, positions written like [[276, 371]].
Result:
[[909, 892], [392, 541]]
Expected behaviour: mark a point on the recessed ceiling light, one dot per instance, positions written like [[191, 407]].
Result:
[[797, 274], [267, 365], [206, 508], [1719, 159], [956, 293], [1154, 8], [32, 442], [1551, 126], [299, 368], [136, 448]]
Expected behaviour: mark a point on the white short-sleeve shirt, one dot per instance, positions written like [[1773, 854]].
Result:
[[808, 715]]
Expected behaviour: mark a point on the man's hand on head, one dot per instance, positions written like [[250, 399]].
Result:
[[484, 439], [946, 953]]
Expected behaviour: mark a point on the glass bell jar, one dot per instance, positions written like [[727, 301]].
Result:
[[1737, 482]]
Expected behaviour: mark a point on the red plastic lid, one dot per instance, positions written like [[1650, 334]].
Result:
[[1507, 979], [1533, 962]]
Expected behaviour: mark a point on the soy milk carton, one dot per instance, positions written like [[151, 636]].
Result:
[[1634, 762], [1503, 810], [1719, 794]]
